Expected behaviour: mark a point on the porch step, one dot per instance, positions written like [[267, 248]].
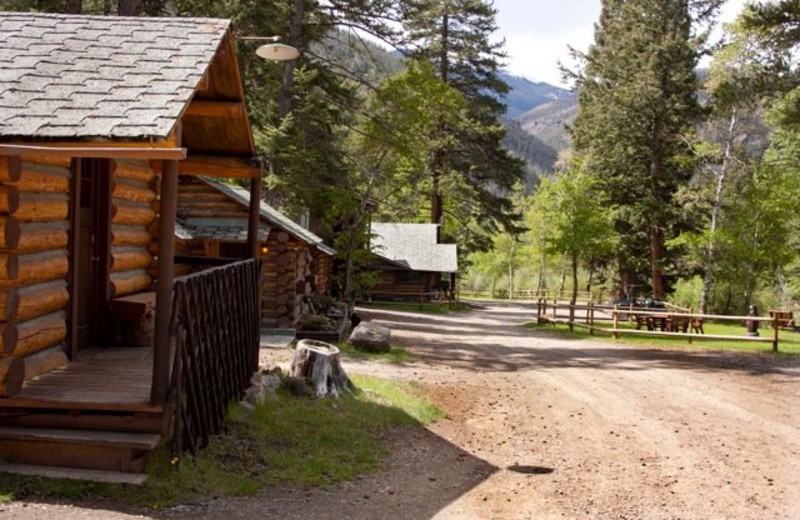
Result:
[[111, 477], [84, 449], [86, 420]]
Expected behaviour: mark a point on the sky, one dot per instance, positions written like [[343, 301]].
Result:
[[538, 32]]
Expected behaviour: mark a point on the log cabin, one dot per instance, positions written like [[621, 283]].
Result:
[[100, 116], [410, 264], [212, 221]]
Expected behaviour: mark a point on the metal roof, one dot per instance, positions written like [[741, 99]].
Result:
[[83, 77], [413, 246], [273, 216]]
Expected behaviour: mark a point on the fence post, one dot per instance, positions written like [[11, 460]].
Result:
[[421, 298], [689, 329], [571, 316], [591, 318], [775, 333], [616, 321], [538, 309]]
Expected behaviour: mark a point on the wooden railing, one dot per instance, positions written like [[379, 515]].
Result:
[[421, 297], [215, 333], [592, 313], [530, 294]]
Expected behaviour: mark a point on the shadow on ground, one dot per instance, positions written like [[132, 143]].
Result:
[[423, 474], [495, 339]]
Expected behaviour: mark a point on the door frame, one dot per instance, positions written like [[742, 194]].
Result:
[[91, 189]]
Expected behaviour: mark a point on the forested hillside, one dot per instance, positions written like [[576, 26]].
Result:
[[540, 157], [687, 178]]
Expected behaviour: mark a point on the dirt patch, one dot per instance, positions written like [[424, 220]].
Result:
[[545, 427]]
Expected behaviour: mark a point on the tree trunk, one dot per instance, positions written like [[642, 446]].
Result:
[[563, 279], [320, 363], [574, 280], [708, 275], [655, 263], [591, 279], [437, 161], [511, 270], [129, 7]]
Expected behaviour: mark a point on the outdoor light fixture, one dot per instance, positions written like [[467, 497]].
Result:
[[264, 250], [273, 51], [277, 52]]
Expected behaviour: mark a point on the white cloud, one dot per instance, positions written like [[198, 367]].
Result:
[[538, 32]]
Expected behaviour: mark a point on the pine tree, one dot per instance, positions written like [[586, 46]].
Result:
[[637, 99], [454, 36]]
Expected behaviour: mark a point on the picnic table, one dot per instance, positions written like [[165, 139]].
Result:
[[785, 318], [667, 322]]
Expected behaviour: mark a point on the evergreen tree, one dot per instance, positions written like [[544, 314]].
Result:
[[637, 99], [454, 36]]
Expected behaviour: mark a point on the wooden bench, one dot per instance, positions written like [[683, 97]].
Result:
[[134, 313], [784, 318]]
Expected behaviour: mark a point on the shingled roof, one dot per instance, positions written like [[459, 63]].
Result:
[[273, 216], [96, 77], [414, 247]]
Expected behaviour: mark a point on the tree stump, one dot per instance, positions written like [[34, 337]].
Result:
[[320, 363]]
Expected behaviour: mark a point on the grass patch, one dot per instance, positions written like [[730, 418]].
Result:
[[427, 308], [396, 355], [788, 341], [286, 440]]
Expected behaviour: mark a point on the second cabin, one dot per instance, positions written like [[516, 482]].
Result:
[[295, 263]]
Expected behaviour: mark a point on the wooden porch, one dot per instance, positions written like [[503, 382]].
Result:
[[101, 379]]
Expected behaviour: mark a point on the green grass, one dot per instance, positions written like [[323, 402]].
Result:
[[427, 308], [286, 440], [396, 356], [788, 341]]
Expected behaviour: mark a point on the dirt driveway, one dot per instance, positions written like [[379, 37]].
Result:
[[543, 427]]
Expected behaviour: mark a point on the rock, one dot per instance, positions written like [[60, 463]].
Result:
[[297, 386], [370, 337]]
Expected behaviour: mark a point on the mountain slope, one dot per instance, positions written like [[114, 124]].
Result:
[[540, 157], [525, 95], [548, 121]]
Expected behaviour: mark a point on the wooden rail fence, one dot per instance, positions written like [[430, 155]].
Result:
[[599, 312], [421, 297], [215, 335]]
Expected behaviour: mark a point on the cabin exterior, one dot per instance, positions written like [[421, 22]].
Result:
[[296, 263], [410, 264], [100, 116]]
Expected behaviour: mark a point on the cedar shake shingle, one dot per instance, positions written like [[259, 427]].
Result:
[[64, 76]]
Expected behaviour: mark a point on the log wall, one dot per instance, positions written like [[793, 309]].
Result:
[[34, 263], [322, 265], [134, 203], [278, 277], [403, 284]]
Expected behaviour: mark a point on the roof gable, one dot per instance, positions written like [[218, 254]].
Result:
[[98, 77], [413, 246]]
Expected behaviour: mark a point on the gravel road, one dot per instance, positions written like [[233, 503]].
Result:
[[544, 427]]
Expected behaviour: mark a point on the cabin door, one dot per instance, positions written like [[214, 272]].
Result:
[[94, 253]]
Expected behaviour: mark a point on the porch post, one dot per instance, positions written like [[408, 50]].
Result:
[[255, 218], [166, 262]]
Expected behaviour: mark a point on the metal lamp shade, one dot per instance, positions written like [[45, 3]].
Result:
[[277, 52]]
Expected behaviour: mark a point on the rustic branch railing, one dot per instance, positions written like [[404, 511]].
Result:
[[215, 334]]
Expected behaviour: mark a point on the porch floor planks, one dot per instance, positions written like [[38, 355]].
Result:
[[114, 379]]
